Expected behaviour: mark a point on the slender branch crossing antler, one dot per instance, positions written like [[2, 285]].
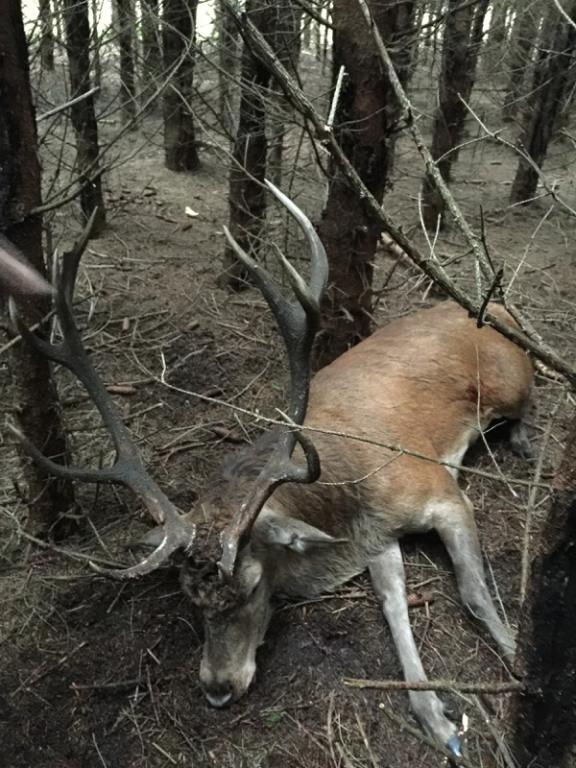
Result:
[[298, 322], [128, 469]]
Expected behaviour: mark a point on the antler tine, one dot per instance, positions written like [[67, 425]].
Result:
[[298, 323], [128, 469], [318, 260]]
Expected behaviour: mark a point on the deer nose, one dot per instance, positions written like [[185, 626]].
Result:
[[219, 694]]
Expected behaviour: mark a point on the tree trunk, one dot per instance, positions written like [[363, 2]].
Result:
[[366, 114], [151, 49], [498, 30], [417, 43], [523, 37], [306, 32], [318, 27], [82, 114], [247, 198], [96, 61], [462, 41], [545, 715], [325, 12], [286, 45], [227, 55], [57, 8], [36, 397], [551, 77], [46, 35], [403, 41], [125, 44], [179, 38]]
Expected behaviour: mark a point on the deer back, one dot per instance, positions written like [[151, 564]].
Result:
[[427, 383]]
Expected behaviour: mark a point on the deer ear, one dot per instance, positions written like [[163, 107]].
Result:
[[152, 538], [155, 536], [251, 576], [292, 534]]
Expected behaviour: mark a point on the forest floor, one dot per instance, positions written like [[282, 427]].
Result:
[[95, 673]]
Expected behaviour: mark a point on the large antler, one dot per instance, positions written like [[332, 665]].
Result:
[[298, 323], [128, 469]]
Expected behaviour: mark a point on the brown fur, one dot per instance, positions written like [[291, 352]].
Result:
[[421, 383], [414, 383]]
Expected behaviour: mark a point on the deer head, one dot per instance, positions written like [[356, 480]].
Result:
[[226, 569]]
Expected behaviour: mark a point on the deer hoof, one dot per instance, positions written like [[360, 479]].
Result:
[[454, 745]]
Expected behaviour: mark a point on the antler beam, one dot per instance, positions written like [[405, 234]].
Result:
[[298, 322]]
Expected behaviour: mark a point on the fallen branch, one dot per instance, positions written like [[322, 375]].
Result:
[[436, 685]]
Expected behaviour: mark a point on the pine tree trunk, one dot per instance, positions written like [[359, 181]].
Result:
[[227, 56], [325, 12], [58, 14], [417, 44], [545, 715], [247, 198], [551, 77], [306, 31], [462, 40], [35, 392], [522, 40], [367, 110], [179, 38], [317, 28], [46, 35], [286, 45], [82, 114], [151, 49], [497, 33], [96, 61], [125, 44]]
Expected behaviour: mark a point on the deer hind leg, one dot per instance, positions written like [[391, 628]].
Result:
[[387, 574], [454, 521]]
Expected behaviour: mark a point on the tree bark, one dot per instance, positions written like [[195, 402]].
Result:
[[522, 40], [20, 185], [498, 32], [82, 114], [96, 61], [46, 35], [247, 198], [227, 54], [366, 115], [126, 47], [151, 49], [544, 715], [462, 41], [179, 38], [551, 76], [286, 45], [307, 31], [57, 6], [417, 45]]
